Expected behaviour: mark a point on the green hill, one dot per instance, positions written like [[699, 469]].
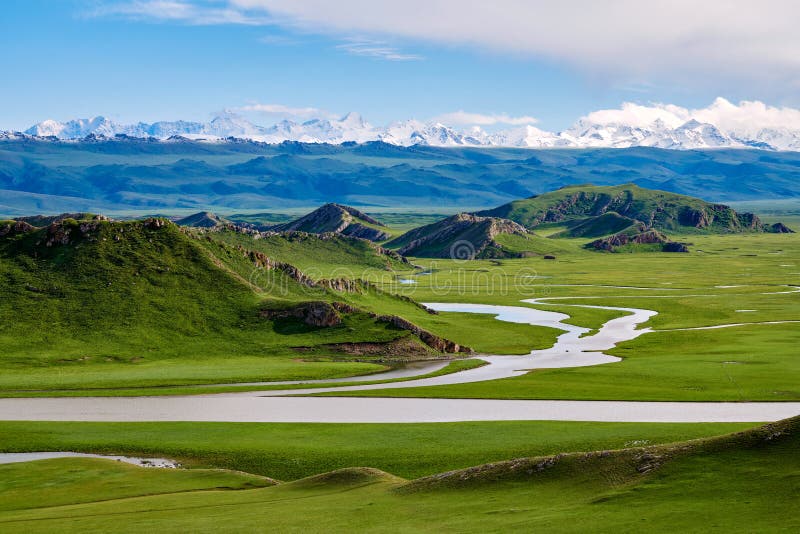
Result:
[[658, 210], [95, 303], [610, 222], [203, 219], [319, 255], [339, 220]]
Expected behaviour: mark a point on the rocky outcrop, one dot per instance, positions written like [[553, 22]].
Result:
[[326, 314], [40, 221], [154, 223], [432, 340], [317, 313], [342, 285], [400, 349], [780, 228], [12, 228], [649, 237]]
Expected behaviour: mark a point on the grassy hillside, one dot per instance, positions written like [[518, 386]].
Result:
[[99, 304], [660, 210], [753, 474], [103, 304], [610, 222], [326, 256]]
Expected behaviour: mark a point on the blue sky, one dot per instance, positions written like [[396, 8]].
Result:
[[186, 59]]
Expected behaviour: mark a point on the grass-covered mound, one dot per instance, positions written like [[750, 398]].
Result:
[[284, 451], [741, 482]]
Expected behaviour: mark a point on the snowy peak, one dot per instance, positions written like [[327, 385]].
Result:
[[720, 125], [74, 128]]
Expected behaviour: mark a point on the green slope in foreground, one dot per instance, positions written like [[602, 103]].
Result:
[[289, 451], [744, 482]]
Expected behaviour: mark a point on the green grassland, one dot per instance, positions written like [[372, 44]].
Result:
[[129, 306], [743, 482], [75, 480], [711, 285], [290, 451]]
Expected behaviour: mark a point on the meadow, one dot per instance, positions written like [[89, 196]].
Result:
[[754, 476]]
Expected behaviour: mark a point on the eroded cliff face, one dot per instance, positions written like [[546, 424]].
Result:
[[462, 236], [323, 314], [647, 237]]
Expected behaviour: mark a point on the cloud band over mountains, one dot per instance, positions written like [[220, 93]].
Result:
[[628, 39]]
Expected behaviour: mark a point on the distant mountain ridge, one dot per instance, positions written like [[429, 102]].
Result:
[[666, 127], [181, 176]]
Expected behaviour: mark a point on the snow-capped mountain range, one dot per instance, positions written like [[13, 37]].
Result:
[[720, 125]]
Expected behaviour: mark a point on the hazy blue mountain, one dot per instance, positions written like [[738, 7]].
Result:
[[126, 174]]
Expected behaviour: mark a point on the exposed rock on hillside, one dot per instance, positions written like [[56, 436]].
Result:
[[432, 340], [463, 236], [320, 314], [780, 228], [41, 221], [324, 315], [12, 228], [338, 219], [649, 237]]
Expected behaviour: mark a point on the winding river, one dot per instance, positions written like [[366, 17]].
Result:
[[574, 348]]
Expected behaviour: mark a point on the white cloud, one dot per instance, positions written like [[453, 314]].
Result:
[[479, 119], [375, 49], [714, 42], [748, 115], [745, 118], [640, 116], [660, 39]]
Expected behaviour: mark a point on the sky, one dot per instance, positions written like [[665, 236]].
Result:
[[464, 62]]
